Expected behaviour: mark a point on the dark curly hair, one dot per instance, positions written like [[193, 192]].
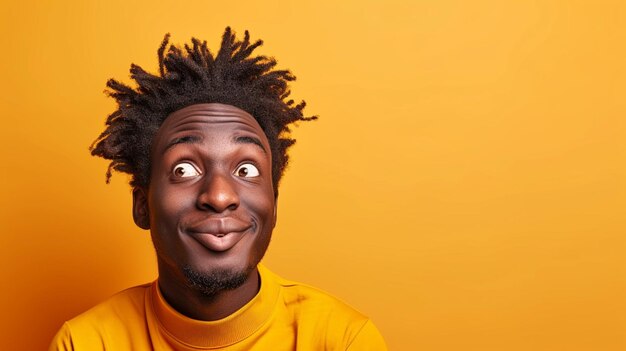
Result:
[[192, 76]]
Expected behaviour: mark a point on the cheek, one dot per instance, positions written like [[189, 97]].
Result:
[[261, 205], [167, 206]]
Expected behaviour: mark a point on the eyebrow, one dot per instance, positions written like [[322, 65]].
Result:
[[188, 139], [249, 140], [192, 139]]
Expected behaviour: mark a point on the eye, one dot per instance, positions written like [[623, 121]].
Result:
[[185, 170], [247, 170]]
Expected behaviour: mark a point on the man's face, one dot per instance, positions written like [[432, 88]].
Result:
[[210, 204]]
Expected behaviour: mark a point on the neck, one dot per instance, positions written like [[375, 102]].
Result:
[[196, 305]]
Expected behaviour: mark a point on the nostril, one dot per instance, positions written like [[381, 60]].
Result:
[[217, 203], [218, 194]]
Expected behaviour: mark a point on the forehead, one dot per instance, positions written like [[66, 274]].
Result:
[[212, 118], [213, 113]]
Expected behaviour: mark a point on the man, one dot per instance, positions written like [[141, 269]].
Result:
[[205, 142]]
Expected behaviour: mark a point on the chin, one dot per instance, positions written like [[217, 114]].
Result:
[[210, 282]]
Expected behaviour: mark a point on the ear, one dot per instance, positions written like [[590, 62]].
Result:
[[274, 220], [141, 213]]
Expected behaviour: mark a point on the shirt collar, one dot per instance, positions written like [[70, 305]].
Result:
[[229, 330]]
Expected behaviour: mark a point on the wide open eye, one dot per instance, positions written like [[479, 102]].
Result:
[[185, 170], [247, 170]]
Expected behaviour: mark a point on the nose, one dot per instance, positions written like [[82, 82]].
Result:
[[218, 194]]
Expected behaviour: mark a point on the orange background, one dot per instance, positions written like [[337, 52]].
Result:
[[465, 185]]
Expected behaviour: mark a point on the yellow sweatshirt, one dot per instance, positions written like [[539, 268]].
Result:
[[284, 315]]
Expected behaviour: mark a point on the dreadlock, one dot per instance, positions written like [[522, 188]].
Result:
[[193, 75]]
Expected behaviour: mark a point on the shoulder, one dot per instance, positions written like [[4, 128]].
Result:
[[117, 308], [308, 299], [112, 317], [326, 319]]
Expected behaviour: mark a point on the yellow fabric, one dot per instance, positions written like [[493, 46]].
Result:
[[284, 315]]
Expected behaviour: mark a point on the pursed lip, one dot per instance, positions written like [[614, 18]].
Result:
[[217, 226], [218, 234]]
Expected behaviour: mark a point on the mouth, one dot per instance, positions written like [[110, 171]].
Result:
[[219, 242], [219, 235]]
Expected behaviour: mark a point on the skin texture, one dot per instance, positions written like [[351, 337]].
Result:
[[210, 207]]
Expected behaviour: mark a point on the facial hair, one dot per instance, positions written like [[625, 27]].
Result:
[[211, 283]]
